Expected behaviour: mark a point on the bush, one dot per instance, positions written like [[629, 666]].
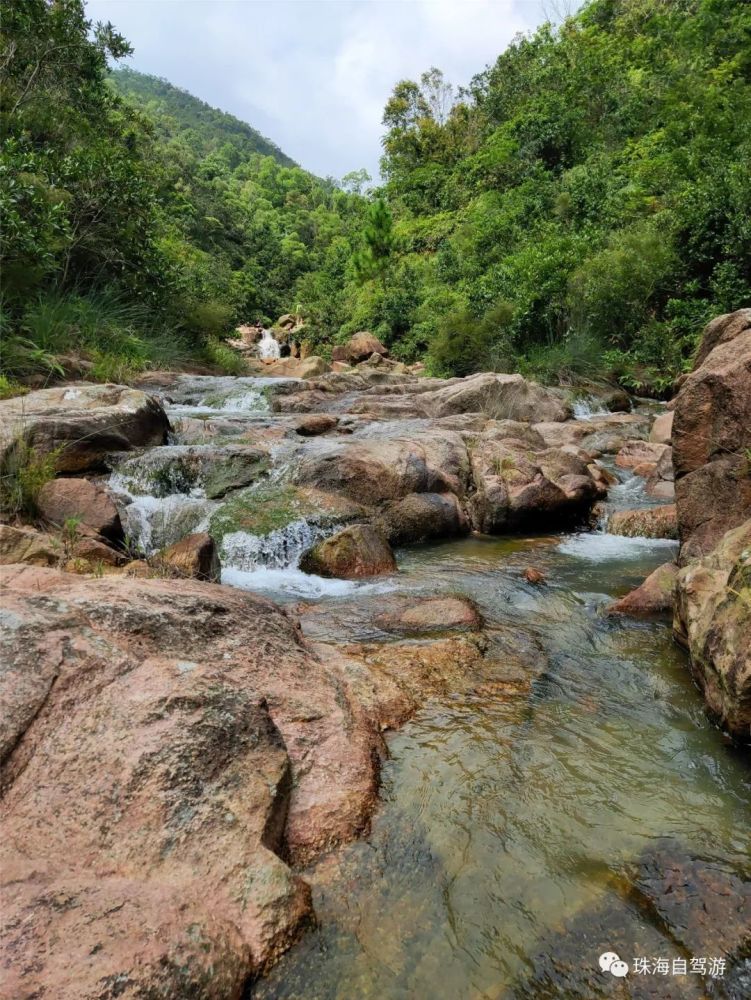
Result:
[[24, 473], [466, 344], [223, 357]]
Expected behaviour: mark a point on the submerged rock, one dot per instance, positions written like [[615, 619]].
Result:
[[360, 550], [431, 614], [81, 424], [713, 620]]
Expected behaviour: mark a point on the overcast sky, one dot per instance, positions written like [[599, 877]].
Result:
[[314, 75]]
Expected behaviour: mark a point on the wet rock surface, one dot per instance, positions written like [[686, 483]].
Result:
[[653, 522]]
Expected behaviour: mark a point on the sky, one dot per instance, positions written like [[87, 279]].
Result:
[[314, 75]]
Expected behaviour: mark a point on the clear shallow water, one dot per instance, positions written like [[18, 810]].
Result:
[[503, 819]]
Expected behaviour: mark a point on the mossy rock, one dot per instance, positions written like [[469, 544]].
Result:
[[267, 507]]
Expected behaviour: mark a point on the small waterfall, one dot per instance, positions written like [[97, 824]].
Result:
[[588, 407], [268, 348], [280, 549]]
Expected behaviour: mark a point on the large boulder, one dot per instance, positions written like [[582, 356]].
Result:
[[310, 367], [518, 488], [356, 551], [712, 437], [88, 503], [421, 516], [169, 748], [599, 435], [359, 347], [713, 620], [722, 330], [501, 397], [80, 424], [645, 522], [378, 470], [639, 455], [214, 469]]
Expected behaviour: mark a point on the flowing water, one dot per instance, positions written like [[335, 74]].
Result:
[[508, 824]]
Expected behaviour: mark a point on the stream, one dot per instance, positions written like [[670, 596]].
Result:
[[508, 825]]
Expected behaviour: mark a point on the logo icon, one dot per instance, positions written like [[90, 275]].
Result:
[[611, 962]]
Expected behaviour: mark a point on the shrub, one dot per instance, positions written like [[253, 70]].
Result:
[[24, 473], [223, 357]]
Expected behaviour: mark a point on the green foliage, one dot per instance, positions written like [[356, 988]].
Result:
[[24, 472], [221, 356], [595, 182]]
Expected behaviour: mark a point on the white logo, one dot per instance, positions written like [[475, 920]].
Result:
[[610, 962]]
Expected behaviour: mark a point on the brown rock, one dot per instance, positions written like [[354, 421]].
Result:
[[358, 348], [654, 596], [421, 516], [94, 552], [86, 502], [25, 545], [316, 423], [713, 620], [500, 397], [600, 435], [303, 367], [517, 488], [374, 471], [660, 483], [359, 550], [534, 576], [712, 437], [650, 522], [662, 428], [721, 330], [81, 424], [635, 453], [715, 495], [194, 556], [341, 366]]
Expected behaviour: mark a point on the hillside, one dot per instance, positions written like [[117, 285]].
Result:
[[176, 111]]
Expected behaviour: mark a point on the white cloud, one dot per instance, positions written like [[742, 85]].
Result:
[[314, 75]]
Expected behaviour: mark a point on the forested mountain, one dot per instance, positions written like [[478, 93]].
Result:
[[206, 129], [580, 209]]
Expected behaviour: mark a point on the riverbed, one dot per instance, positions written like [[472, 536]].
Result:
[[512, 820]]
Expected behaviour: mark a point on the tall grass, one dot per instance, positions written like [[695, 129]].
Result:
[[115, 335]]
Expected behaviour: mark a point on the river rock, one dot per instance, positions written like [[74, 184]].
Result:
[[713, 620], [648, 522], [309, 367], [600, 435], [379, 470], [94, 554], [501, 397], [359, 550], [81, 424], [640, 453], [215, 469], [431, 614], [27, 545], [662, 428], [421, 516], [89, 503], [712, 437], [722, 330], [654, 596], [358, 348], [315, 424], [517, 488], [194, 556], [660, 483]]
